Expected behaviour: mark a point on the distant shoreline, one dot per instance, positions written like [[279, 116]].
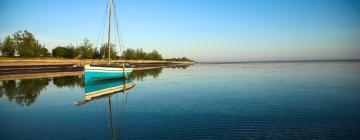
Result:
[[283, 61], [10, 67], [10, 61]]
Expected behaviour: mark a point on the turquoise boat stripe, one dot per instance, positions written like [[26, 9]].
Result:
[[104, 75], [97, 85]]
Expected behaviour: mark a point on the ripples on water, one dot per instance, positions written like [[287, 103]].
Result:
[[203, 101]]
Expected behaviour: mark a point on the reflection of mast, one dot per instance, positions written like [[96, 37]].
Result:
[[122, 112], [111, 122], [123, 106]]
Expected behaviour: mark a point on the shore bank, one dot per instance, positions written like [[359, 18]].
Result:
[[15, 67], [5, 61]]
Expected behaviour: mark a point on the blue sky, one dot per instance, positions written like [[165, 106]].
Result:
[[204, 30]]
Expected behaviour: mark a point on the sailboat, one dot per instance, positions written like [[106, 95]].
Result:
[[107, 71]]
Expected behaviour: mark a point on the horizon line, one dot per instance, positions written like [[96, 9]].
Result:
[[281, 61]]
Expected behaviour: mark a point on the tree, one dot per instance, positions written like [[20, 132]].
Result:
[[8, 47], [59, 51], [70, 52], [129, 54], [85, 50], [27, 45], [154, 55], [105, 54], [139, 54], [180, 59], [44, 52], [184, 59]]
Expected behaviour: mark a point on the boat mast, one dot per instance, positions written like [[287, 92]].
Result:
[[109, 34]]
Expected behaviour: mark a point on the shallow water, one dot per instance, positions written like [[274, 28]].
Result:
[[203, 101]]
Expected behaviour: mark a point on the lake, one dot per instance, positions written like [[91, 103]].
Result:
[[312, 100]]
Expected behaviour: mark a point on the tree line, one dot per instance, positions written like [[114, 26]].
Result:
[[179, 59], [24, 44]]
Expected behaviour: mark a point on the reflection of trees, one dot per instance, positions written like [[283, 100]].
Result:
[[68, 81], [9, 87], [180, 66], [140, 75], [24, 92]]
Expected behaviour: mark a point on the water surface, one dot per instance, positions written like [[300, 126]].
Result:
[[204, 101]]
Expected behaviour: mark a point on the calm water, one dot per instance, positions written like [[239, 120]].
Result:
[[203, 101]]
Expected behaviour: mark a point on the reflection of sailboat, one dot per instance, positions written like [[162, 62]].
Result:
[[105, 89], [102, 88]]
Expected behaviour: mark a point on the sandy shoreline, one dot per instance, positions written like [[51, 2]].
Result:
[[20, 76], [12, 69], [57, 61]]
